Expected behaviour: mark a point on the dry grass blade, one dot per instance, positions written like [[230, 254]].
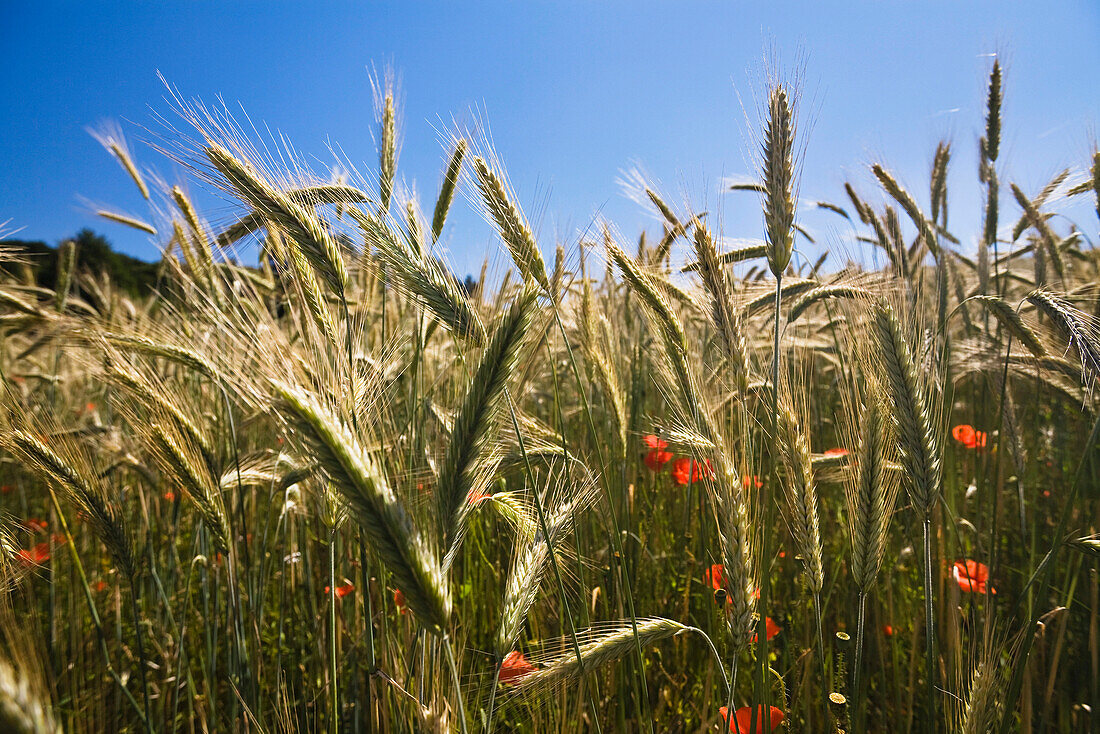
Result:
[[821, 293], [740, 254]]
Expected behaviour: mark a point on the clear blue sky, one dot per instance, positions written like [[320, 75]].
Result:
[[574, 92]]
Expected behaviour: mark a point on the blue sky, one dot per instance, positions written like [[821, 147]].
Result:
[[574, 92]]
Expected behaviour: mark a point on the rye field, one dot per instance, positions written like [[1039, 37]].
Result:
[[639, 482]]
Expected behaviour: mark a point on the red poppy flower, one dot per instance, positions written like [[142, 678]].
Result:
[[35, 524], [59, 539], [836, 452], [656, 459], [100, 585], [742, 719], [655, 443], [749, 482], [169, 496], [6, 489], [515, 667], [773, 629], [963, 433], [715, 576], [888, 630], [399, 601], [972, 576], [689, 471], [968, 437], [35, 556], [89, 407], [477, 497], [341, 591]]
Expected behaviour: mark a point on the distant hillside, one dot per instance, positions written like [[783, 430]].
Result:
[[94, 254]]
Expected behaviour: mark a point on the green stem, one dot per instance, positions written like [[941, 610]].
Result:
[[930, 627], [1045, 569], [457, 683], [334, 710], [857, 665]]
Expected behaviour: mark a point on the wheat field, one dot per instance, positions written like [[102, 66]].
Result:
[[663, 484]]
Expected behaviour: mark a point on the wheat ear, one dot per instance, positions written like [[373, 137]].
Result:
[[607, 645], [447, 190], [909, 204], [531, 565], [725, 317], [917, 441], [511, 224], [104, 518], [778, 178], [1011, 320], [801, 493], [189, 471], [22, 710], [308, 233], [386, 524], [467, 461], [1075, 325], [128, 221], [427, 280]]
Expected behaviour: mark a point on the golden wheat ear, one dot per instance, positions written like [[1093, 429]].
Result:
[[23, 709], [604, 645], [502, 210]]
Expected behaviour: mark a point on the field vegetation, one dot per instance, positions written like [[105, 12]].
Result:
[[666, 485]]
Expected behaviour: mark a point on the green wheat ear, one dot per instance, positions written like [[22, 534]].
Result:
[[778, 177]]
